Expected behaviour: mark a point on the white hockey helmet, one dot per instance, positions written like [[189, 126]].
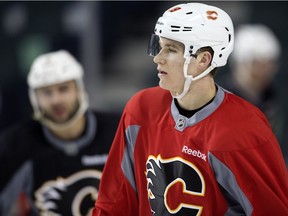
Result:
[[55, 68], [196, 25], [255, 42]]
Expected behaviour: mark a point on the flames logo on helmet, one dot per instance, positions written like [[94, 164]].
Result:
[[174, 9], [212, 15]]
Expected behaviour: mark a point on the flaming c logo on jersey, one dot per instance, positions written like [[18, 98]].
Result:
[[212, 15], [177, 193], [174, 9], [73, 195]]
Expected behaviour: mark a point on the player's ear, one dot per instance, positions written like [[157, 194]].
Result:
[[204, 58]]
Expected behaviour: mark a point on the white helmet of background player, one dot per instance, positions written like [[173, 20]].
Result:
[[55, 68], [255, 42], [196, 25]]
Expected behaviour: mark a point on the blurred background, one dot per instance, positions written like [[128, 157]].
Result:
[[110, 39]]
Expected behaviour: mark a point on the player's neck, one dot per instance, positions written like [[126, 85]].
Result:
[[199, 94], [73, 131]]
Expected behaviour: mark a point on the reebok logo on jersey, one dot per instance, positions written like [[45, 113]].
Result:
[[94, 160], [195, 153]]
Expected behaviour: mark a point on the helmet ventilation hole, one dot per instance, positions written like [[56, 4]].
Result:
[[187, 28], [175, 28]]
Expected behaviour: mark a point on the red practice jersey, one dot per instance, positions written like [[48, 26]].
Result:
[[224, 160]]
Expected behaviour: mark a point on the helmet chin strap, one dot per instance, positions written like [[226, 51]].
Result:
[[190, 78]]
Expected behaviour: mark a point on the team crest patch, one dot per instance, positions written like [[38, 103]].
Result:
[[175, 186], [74, 195]]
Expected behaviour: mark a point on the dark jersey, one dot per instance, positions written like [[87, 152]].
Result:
[[59, 177]]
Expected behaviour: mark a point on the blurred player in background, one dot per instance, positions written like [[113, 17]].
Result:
[[56, 159], [254, 64]]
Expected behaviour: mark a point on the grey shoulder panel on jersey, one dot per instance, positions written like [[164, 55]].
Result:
[[238, 203], [127, 165], [21, 181]]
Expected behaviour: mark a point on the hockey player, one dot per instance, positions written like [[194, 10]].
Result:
[[254, 66], [189, 147], [56, 159]]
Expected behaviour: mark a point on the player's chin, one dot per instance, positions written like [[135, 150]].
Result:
[[168, 87], [58, 119], [163, 84]]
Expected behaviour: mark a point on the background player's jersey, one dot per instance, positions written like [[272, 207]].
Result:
[[224, 160], [60, 178]]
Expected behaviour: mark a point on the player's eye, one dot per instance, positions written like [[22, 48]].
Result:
[[64, 89], [45, 92], [172, 50]]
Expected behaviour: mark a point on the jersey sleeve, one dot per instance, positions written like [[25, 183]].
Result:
[[254, 181], [16, 173], [117, 193]]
